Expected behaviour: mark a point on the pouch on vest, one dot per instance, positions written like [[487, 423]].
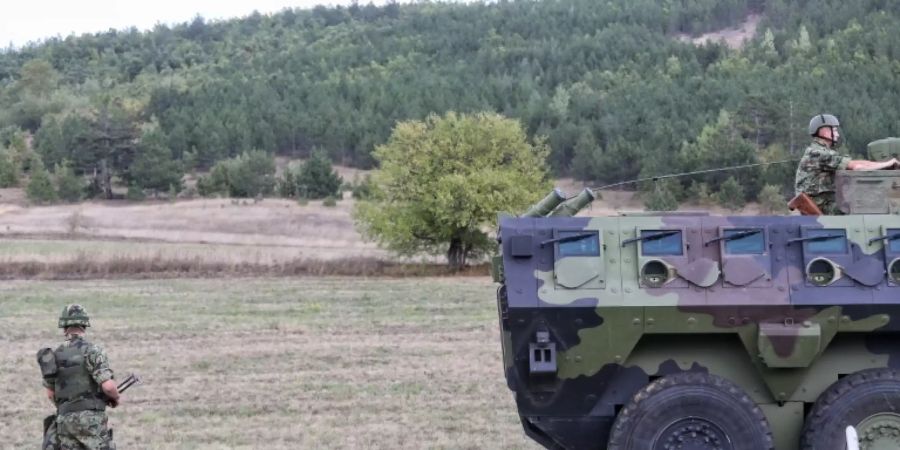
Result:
[[47, 361]]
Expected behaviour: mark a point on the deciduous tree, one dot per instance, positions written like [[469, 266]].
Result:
[[442, 181]]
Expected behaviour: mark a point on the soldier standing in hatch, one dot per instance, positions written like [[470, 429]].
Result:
[[815, 173], [80, 383]]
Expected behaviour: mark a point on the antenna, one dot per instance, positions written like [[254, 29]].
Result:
[[687, 174]]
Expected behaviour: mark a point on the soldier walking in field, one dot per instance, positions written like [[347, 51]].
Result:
[[80, 383], [815, 173]]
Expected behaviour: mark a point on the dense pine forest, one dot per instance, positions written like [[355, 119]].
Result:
[[616, 87]]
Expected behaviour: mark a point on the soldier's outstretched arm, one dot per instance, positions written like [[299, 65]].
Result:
[[861, 164]]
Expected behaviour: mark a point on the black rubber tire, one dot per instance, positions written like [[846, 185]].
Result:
[[849, 401], [691, 397]]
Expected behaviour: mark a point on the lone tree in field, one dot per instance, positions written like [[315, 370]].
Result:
[[442, 182]]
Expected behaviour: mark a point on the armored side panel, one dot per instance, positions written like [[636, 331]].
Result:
[[868, 192], [593, 310]]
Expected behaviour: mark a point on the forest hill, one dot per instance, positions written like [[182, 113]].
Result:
[[612, 89]]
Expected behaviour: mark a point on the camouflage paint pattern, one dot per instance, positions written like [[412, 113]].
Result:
[[870, 191], [770, 320], [867, 192]]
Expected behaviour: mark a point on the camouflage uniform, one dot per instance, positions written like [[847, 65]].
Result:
[[75, 371], [815, 175], [85, 429]]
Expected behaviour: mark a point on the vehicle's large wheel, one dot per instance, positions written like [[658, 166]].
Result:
[[868, 400], [691, 411]]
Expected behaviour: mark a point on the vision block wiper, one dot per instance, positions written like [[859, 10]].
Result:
[[888, 237], [732, 237], [823, 237], [650, 237], [573, 237]]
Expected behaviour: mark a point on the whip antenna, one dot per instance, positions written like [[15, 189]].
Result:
[[556, 204], [695, 172]]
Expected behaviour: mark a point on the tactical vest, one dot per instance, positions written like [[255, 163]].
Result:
[[75, 388]]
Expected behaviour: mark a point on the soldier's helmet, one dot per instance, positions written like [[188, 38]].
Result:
[[822, 120], [74, 316]]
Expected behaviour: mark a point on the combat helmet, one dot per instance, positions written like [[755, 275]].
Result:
[[74, 316], [822, 120]]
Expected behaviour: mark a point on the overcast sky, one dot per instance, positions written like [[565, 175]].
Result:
[[22, 21]]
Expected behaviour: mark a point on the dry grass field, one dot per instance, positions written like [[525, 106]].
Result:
[[275, 363], [209, 236], [187, 238], [220, 229]]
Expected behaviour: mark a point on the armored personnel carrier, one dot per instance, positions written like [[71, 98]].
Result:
[[654, 331]]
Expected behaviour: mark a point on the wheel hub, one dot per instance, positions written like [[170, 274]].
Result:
[[692, 433], [879, 432]]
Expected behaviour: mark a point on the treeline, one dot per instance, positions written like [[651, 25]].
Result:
[[610, 84], [250, 175]]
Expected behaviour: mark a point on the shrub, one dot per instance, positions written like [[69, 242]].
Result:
[[771, 201], [731, 195], [40, 188], [135, 192], [699, 192], [660, 199], [173, 191], [9, 173], [248, 175], [313, 179], [363, 189], [69, 186]]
